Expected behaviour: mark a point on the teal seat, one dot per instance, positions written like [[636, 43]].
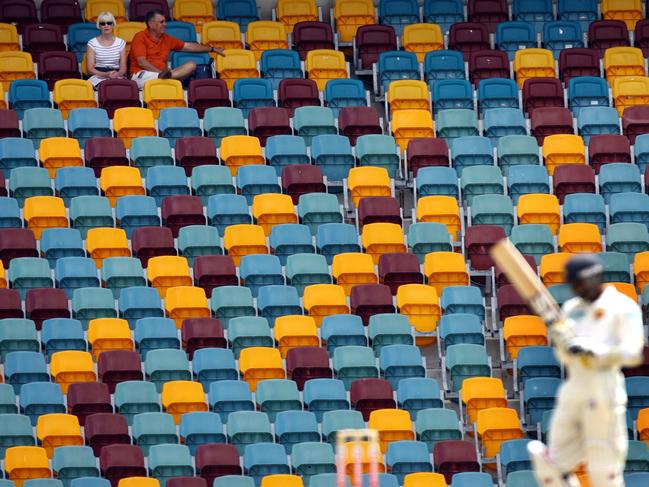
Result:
[[522, 478], [228, 396], [640, 151], [537, 361], [459, 328], [559, 35], [305, 269], [561, 292], [526, 179], [167, 461], [533, 239], [155, 334], [456, 122], [354, 362], [121, 272], [312, 458], [333, 153], [347, 92], [146, 152], [437, 180], [493, 209], [59, 334], [334, 421], [316, 209], [219, 122], [15, 430], [197, 240], [28, 93], [436, 424], [89, 303], [466, 360], [71, 462], [275, 395], [637, 459], [618, 177], [234, 481], [322, 395], [284, 150], [628, 238], [470, 151], [214, 364], [515, 150], [472, 479], [227, 209], [201, 428], [616, 267], [229, 302], [481, 180], [177, 122], [7, 400], [277, 64], [517, 34], [26, 273], [153, 429], [88, 212], [43, 483], [417, 393], [629, 207], [248, 331], [248, 427], [87, 123], [426, 237], [249, 93], [539, 396], [26, 181], [210, 179], [389, 329], [309, 121], [342, 330], [135, 397], [42, 123], [585, 208], [380, 151], [161, 366], [17, 335]]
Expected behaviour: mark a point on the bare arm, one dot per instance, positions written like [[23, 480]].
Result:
[[146, 65], [122, 64], [90, 64], [196, 47]]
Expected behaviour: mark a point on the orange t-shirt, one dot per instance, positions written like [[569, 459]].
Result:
[[155, 51]]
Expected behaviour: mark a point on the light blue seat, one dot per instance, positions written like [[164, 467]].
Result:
[[278, 64], [255, 179], [163, 181], [396, 65], [211, 179], [227, 209], [347, 92], [322, 395], [342, 330], [312, 458], [336, 238], [500, 122], [536, 361], [497, 93], [380, 151], [263, 459], [185, 31], [214, 364], [121, 272], [637, 459], [24, 367], [28, 93], [616, 267], [228, 396], [437, 424], [462, 299], [522, 478], [274, 301], [526, 179], [596, 121], [219, 122], [78, 36], [539, 396], [537, 12], [70, 462], [26, 273], [582, 11], [295, 427], [88, 212], [284, 150], [437, 180], [251, 93], [59, 334], [154, 334], [481, 180], [562, 34], [326, 480], [334, 421], [74, 181], [41, 123], [472, 479], [333, 153], [89, 303], [587, 91], [168, 461], [618, 177], [247, 428], [352, 362], [177, 122], [533, 239], [8, 404], [275, 395], [289, 238], [399, 362], [240, 11], [637, 392], [451, 93], [178, 58], [233, 481], [149, 151], [134, 211], [249, 331], [443, 12], [38, 398], [228, 302], [310, 121], [517, 34], [75, 272], [637, 479], [417, 393], [305, 269], [10, 213], [260, 270], [398, 13], [197, 240], [150, 429], [460, 328], [16, 152], [16, 431], [640, 151], [585, 208], [165, 365], [139, 302], [135, 397], [517, 149], [25, 182], [513, 456], [315, 209], [465, 360], [493, 209], [629, 207], [86, 123], [199, 428], [443, 64], [453, 123], [386, 329], [405, 457], [426, 237]]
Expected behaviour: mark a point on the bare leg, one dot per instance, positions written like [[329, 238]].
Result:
[[184, 71]]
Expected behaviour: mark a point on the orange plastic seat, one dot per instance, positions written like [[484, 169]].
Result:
[[382, 238], [9, 40], [392, 425], [642, 425], [560, 149], [56, 152], [244, 239], [445, 269], [223, 34], [551, 269], [43, 212], [626, 288], [420, 303], [127, 30], [290, 12], [25, 463], [138, 482], [292, 331], [623, 61], [628, 11], [236, 64], [198, 12], [182, 396], [368, 181], [270, 209], [630, 91], [539, 208], [350, 15], [163, 93], [3, 102], [95, 7], [241, 150], [106, 334], [408, 94], [70, 366], [353, 268], [411, 124], [479, 393], [422, 38], [495, 425], [116, 181], [132, 122], [182, 302], [3, 278], [54, 430], [166, 271], [322, 300], [523, 331], [325, 64], [15, 65], [580, 238], [73, 93], [440, 209], [106, 242], [533, 63], [260, 363], [424, 479], [263, 35], [641, 270], [281, 480]]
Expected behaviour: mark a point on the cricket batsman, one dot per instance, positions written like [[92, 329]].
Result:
[[601, 332]]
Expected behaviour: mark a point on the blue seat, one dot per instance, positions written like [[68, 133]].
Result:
[[437, 180], [139, 302], [86, 123], [71, 462], [233, 481], [472, 479], [637, 459], [539, 396], [562, 292], [294, 427], [228, 396], [214, 364], [89, 482], [290, 238], [149, 429], [336, 238], [15, 430], [462, 299], [597, 120], [385, 480], [8, 404], [398, 13], [395, 65], [616, 267], [261, 459], [562, 34], [497, 93], [443, 12], [333, 153], [28, 93], [25, 182], [500, 122], [536, 11], [322, 395], [284, 150], [426, 237], [121, 272], [163, 181], [451, 93], [629, 207], [24, 367], [315, 209], [333, 421], [73, 181], [249, 331], [248, 427], [177, 122], [209, 179], [347, 92], [240, 11], [59, 334], [514, 456], [260, 270], [618, 177], [154, 334], [41, 123], [537, 361], [88, 212], [278, 64], [444, 64], [199, 428], [227, 209], [75, 272], [405, 457], [398, 362], [470, 151], [587, 91], [637, 479], [274, 301], [637, 392], [15, 152], [228, 302], [28, 273], [342, 330], [417, 393], [585, 208], [458, 122], [250, 93], [134, 211], [78, 36], [628, 238], [150, 151], [515, 35], [10, 213], [178, 58], [460, 328], [185, 31], [517, 149], [254, 179], [582, 11], [526, 179], [38, 398], [135, 397]]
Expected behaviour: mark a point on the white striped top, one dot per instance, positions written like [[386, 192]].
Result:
[[107, 56]]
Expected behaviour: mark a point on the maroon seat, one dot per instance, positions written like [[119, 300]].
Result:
[[148, 242], [186, 482], [118, 93], [455, 456], [202, 333], [399, 268], [642, 36], [603, 34], [635, 121], [578, 61], [44, 303], [299, 179], [510, 302], [9, 124], [501, 278], [606, 148], [370, 394], [115, 366], [215, 460], [297, 92], [550, 120], [212, 271], [643, 368], [573, 178], [371, 40], [10, 306], [488, 12], [308, 36], [264, 122], [356, 121], [39, 38], [180, 211], [468, 37], [477, 243], [18, 12], [137, 9], [103, 429], [425, 152], [373, 209], [86, 398], [207, 93], [56, 65], [61, 13], [16, 242], [120, 461], [101, 152], [3, 185], [488, 63], [304, 363], [542, 92], [195, 151], [371, 299]]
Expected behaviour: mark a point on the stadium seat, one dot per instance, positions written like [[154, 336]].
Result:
[[224, 210], [218, 460], [26, 462], [420, 304], [240, 12], [292, 331], [196, 12], [232, 301], [634, 122], [180, 397], [227, 396], [244, 332], [260, 363], [323, 65], [15, 65], [315, 210], [322, 300], [262, 35], [562, 34]]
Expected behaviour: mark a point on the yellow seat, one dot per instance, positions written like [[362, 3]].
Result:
[[116, 181], [630, 91], [43, 212], [322, 300], [132, 122], [539, 208], [626, 288], [95, 7], [26, 462], [551, 269], [57, 429], [127, 31], [102, 243], [165, 271], [642, 425], [560, 149], [325, 64], [392, 425], [523, 331], [424, 479], [3, 280], [580, 238], [3, 102], [244, 239], [352, 268], [73, 93], [368, 181], [56, 152], [629, 11], [440, 209], [184, 302], [382, 238], [292, 331], [223, 34], [163, 93], [445, 269], [198, 12], [106, 334], [270, 209], [420, 303], [70, 366], [479, 393], [290, 12], [15, 65], [138, 482], [533, 63], [281, 480], [263, 35], [411, 124], [422, 38], [350, 15], [370, 456], [241, 150], [408, 94], [495, 425], [641, 270], [236, 64], [623, 61], [182, 396], [9, 38], [260, 363]]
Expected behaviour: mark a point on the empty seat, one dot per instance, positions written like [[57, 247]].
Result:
[[603, 34]]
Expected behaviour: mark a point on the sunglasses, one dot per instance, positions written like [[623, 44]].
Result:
[[102, 24]]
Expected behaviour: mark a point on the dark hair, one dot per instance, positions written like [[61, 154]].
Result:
[[152, 13]]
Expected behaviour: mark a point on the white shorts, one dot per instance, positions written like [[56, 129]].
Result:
[[142, 77]]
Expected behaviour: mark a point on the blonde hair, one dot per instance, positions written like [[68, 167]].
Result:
[[106, 17]]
